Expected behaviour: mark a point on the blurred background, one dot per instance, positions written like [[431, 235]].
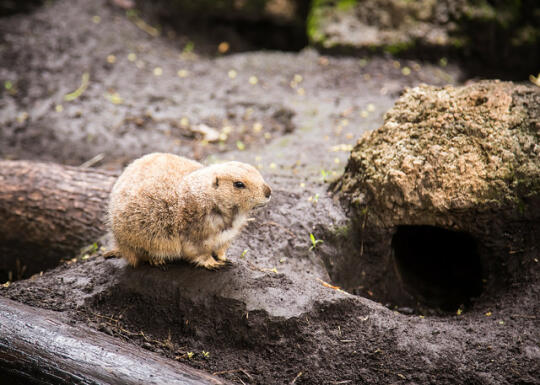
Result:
[[99, 83]]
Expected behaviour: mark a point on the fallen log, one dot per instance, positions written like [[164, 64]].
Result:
[[37, 346], [48, 211]]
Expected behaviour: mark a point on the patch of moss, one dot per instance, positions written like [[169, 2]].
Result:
[[399, 47], [313, 22], [318, 12], [342, 231], [346, 5], [458, 42]]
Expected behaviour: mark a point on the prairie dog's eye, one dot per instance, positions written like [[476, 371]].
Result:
[[239, 185]]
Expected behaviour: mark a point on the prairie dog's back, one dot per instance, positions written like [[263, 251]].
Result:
[[154, 173]]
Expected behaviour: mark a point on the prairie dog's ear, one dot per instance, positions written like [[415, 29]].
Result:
[[216, 182]]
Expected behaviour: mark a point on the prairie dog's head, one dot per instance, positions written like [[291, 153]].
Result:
[[238, 186]]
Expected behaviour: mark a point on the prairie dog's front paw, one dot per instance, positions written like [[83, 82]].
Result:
[[156, 261]]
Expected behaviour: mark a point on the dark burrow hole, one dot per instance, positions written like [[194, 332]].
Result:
[[440, 268]]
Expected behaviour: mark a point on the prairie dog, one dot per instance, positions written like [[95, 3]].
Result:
[[165, 207]]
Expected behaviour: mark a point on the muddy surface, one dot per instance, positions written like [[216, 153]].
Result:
[[274, 316]]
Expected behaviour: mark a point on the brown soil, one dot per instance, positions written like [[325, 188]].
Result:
[[273, 317]]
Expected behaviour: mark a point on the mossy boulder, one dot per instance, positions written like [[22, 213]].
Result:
[[446, 149], [465, 160], [481, 29], [392, 24]]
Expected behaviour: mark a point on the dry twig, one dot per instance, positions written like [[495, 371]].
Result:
[[296, 378]]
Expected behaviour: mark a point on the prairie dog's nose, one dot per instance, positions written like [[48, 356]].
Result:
[[267, 191]]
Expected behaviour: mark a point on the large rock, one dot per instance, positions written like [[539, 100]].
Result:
[[446, 193], [392, 24], [505, 30]]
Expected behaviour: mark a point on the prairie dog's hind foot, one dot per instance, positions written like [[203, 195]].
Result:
[[209, 262], [113, 253], [161, 263]]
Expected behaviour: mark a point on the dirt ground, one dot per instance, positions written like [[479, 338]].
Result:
[[274, 316]]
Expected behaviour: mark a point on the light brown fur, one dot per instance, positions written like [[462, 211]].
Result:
[[166, 207]]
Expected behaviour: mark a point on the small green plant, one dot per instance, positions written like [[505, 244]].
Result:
[[324, 175], [189, 355], [88, 251], [443, 62], [205, 354], [314, 242], [189, 47]]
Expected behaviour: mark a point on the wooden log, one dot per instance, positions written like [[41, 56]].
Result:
[[37, 346], [48, 211]]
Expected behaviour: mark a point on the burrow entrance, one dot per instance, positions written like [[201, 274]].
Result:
[[440, 268], [422, 269]]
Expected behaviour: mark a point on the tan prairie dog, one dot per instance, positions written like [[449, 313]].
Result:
[[165, 207]]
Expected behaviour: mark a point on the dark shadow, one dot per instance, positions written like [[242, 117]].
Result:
[[442, 268], [245, 29], [20, 260], [11, 7]]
